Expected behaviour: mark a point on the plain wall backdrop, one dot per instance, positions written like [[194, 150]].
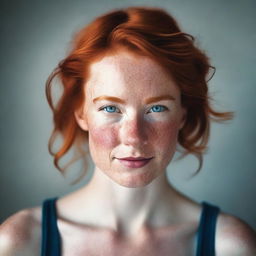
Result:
[[36, 35]]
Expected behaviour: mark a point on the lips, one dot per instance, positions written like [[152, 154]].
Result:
[[134, 162], [134, 158]]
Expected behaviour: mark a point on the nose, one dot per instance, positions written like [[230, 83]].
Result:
[[133, 132]]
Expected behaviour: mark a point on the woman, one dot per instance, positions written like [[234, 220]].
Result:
[[134, 89]]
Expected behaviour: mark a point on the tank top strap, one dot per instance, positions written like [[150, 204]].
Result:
[[206, 230], [51, 241]]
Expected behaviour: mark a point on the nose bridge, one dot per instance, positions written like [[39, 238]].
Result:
[[133, 130]]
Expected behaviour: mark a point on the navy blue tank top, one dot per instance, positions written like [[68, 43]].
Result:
[[51, 239]]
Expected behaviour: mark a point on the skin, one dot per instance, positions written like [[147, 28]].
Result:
[[123, 210], [133, 128]]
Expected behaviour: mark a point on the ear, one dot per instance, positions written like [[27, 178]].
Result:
[[184, 117], [81, 119]]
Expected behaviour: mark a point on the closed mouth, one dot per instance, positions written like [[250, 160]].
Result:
[[134, 162], [135, 158]]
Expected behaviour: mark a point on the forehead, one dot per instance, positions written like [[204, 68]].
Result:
[[127, 70]]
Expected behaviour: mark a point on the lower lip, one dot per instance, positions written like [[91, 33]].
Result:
[[134, 163]]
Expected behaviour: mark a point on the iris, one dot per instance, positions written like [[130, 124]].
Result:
[[110, 109], [158, 108]]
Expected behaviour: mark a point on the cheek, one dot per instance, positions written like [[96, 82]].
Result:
[[166, 135], [104, 137]]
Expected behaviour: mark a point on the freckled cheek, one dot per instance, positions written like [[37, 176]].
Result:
[[103, 137], [165, 135]]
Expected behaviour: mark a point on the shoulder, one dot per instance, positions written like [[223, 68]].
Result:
[[20, 233], [234, 237]]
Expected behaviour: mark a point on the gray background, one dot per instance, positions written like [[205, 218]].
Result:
[[35, 35]]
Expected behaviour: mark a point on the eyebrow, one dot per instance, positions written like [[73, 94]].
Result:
[[110, 98], [148, 101], [159, 98]]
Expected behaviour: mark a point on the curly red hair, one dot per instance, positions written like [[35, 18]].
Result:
[[145, 31]]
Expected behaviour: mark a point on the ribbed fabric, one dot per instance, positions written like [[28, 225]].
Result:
[[206, 230], [51, 240]]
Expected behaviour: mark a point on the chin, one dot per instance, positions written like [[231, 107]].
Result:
[[137, 181]]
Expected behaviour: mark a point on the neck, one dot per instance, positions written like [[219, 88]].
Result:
[[128, 210]]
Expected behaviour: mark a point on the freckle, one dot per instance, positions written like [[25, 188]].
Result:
[[165, 131], [104, 136]]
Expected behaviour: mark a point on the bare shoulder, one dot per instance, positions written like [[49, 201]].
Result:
[[20, 234], [234, 237]]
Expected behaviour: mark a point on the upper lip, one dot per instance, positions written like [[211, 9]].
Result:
[[135, 158]]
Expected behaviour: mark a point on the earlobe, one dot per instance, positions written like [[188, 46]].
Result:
[[81, 120]]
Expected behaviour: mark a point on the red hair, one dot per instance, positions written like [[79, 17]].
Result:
[[149, 32]]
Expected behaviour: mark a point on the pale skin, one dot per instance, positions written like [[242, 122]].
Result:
[[132, 109]]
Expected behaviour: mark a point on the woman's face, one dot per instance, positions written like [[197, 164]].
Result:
[[133, 115]]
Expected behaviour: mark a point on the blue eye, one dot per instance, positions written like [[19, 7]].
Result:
[[158, 108], [110, 109]]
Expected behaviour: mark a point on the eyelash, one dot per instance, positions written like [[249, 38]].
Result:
[[104, 108], [164, 108]]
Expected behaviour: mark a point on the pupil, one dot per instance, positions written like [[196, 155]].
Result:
[[157, 108], [111, 109]]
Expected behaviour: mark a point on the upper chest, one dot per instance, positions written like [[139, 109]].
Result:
[[180, 240]]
